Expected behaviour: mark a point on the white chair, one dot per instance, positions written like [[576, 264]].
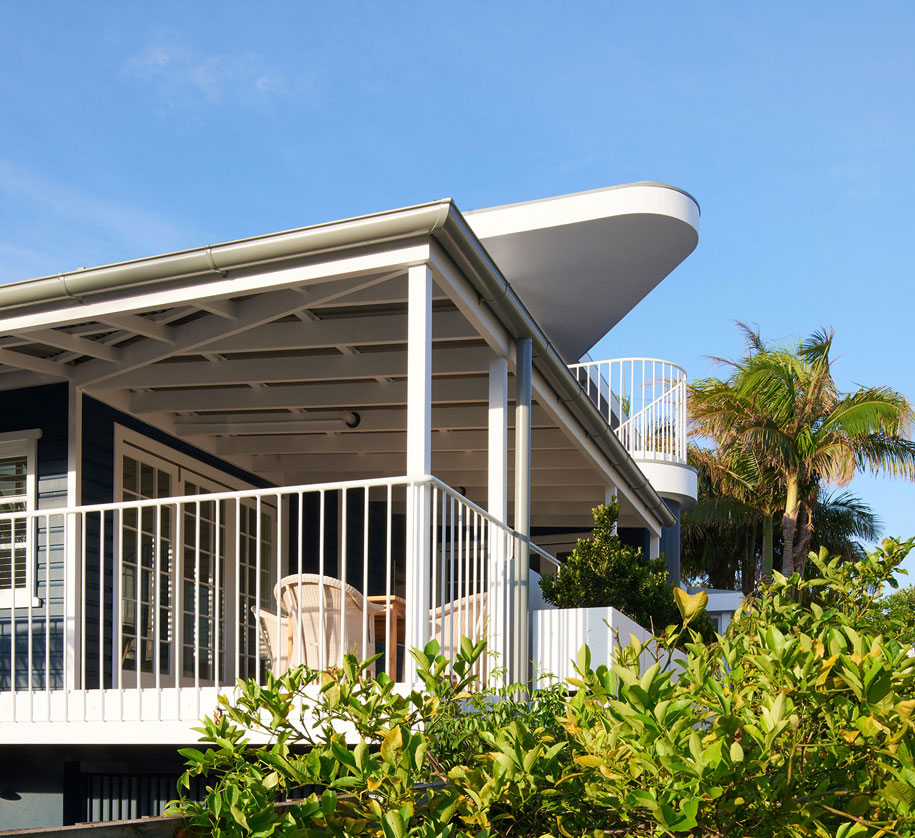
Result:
[[462, 617], [321, 619]]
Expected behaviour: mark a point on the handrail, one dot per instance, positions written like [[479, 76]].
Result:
[[644, 402], [176, 596]]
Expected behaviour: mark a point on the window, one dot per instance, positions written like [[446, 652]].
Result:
[[17, 494]]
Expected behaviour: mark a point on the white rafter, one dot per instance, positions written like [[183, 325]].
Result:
[[252, 312], [291, 369], [71, 343], [22, 361]]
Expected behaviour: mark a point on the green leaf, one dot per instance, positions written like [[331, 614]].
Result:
[[392, 825]]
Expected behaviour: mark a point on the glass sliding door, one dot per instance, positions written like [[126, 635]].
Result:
[[147, 555]]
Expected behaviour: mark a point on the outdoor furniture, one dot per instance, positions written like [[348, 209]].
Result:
[[321, 619], [462, 617]]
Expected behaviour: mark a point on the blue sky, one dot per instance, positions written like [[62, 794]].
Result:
[[128, 129]]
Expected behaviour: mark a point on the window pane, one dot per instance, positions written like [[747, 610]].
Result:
[[13, 472], [130, 475]]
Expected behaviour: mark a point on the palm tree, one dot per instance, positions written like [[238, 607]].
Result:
[[781, 406], [727, 535]]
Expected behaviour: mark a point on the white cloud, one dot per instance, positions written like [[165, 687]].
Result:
[[182, 77]]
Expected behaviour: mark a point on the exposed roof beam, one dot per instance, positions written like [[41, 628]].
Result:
[[20, 360], [349, 331], [252, 312], [455, 417], [392, 461], [456, 477], [227, 309], [379, 442], [269, 370], [141, 326], [71, 343], [346, 395]]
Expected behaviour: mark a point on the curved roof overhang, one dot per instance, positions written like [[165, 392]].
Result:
[[581, 262]]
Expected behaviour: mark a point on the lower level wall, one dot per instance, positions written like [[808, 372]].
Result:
[[50, 786], [557, 635]]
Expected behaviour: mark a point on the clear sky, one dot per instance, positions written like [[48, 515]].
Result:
[[130, 128]]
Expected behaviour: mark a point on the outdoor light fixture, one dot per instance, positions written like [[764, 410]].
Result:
[[268, 423]]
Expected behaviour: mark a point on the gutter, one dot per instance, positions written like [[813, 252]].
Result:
[[440, 219], [201, 263]]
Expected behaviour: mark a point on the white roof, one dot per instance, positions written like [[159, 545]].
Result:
[[581, 262]]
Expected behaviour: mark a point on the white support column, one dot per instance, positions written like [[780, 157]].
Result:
[[654, 546], [499, 567], [520, 664], [419, 459], [73, 558]]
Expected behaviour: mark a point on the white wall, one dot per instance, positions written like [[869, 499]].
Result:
[[559, 633]]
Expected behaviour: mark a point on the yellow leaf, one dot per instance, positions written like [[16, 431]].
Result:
[[392, 743], [905, 709], [690, 606]]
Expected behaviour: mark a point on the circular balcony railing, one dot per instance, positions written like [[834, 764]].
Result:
[[643, 401]]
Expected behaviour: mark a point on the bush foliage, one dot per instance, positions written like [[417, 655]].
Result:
[[602, 571], [799, 722]]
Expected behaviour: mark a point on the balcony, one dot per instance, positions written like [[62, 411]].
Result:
[[142, 612], [643, 400]]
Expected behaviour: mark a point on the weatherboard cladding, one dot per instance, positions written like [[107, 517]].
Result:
[[44, 408]]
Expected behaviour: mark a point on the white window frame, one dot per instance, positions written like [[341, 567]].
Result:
[[186, 468], [18, 444]]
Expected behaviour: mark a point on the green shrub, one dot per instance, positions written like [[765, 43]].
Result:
[[897, 616], [604, 572], [800, 722]]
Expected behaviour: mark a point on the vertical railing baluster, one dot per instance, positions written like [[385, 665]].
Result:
[[244, 616], [343, 569], [47, 616], [138, 609], [391, 641], [216, 611], [322, 634], [257, 586], [157, 605], [278, 565], [364, 648]]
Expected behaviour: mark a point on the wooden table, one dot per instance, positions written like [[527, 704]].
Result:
[[396, 607]]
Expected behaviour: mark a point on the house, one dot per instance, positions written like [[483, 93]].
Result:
[[350, 436]]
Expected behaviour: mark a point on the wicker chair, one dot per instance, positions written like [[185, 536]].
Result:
[[321, 618]]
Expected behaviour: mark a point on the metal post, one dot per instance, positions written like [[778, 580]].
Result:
[[419, 459], [521, 646], [498, 566]]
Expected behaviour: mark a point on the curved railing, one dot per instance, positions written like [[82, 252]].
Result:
[[643, 401]]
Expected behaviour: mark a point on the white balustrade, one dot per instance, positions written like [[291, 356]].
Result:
[[176, 598], [644, 402]]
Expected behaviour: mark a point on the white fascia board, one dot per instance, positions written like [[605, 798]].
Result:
[[628, 199], [221, 288]]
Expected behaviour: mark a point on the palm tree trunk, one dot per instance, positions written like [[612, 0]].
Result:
[[789, 527], [767, 547]]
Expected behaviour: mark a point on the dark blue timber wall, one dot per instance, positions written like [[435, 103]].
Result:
[[22, 410], [99, 420]]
